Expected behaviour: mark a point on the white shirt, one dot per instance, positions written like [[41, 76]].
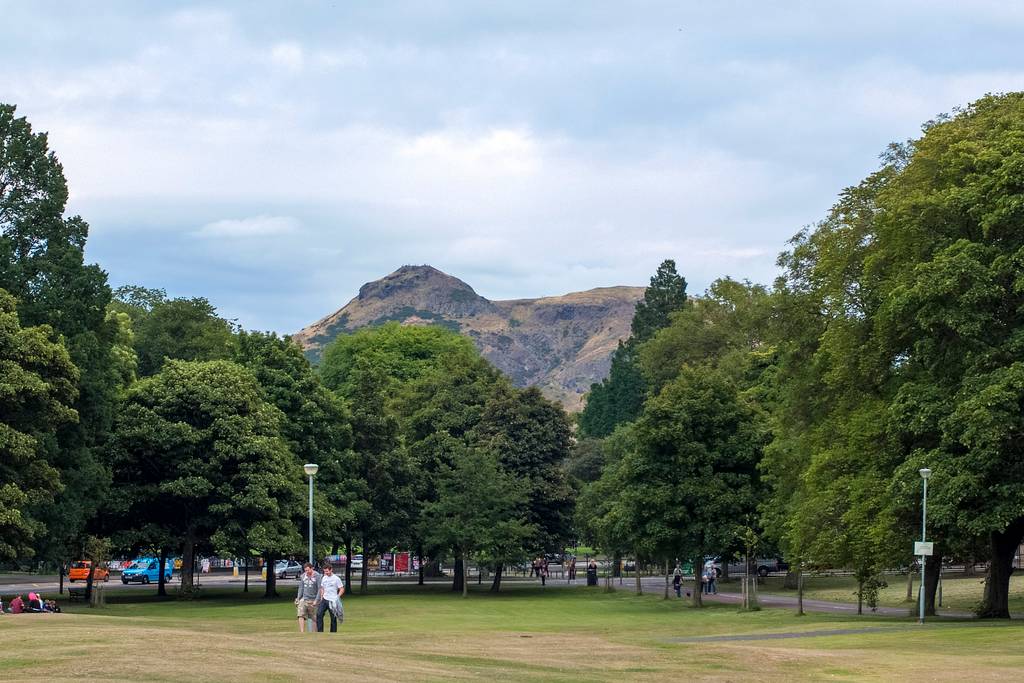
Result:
[[331, 586]]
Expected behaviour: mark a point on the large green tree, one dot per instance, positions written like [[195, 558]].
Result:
[[531, 437], [619, 397], [42, 265], [317, 429], [180, 329], [689, 481], [38, 387], [199, 455], [478, 509], [911, 302]]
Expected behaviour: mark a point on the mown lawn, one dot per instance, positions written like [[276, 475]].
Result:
[[959, 592], [524, 634]]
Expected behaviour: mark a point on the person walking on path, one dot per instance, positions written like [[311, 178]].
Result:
[[306, 598], [331, 590], [543, 571], [712, 581], [677, 580]]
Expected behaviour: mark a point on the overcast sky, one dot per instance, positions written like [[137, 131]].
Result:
[[275, 156]]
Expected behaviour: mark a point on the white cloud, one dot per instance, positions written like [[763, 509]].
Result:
[[289, 56], [254, 226]]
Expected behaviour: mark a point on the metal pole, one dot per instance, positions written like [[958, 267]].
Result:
[[311, 520], [924, 521]]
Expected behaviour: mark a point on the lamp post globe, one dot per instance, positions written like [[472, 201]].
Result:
[[310, 469]]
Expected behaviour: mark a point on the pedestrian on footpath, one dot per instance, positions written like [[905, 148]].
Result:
[[543, 571], [677, 580], [712, 581], [306, 598], [331, 590]]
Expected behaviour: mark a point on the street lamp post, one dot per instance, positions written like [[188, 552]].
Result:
[[310, 469], [925, 473]]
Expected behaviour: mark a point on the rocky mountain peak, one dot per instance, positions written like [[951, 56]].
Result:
[[424, 288], [561, 344]]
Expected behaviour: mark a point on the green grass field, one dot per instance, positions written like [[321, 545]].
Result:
[[961, 593], [524, 634]]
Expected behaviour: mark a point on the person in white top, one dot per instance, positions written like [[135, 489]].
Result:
[[331, 590]]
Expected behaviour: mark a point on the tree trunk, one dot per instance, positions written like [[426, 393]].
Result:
[[419, 554], [617, 566], [60, 570], [860, 596], [698, 564], [995, 604], [666, 580], [246, 588], [459, 577], [725, 570], [161, 587], [364, 574], [465, 583], [271, 587], [910, 584], [188, 561], [969, 567], [89, 581], [800, 593], [348, 564], [639, 579], [931, 583], [496, 584]]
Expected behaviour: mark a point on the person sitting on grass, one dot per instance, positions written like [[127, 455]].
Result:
[[35, 603], [17, 605], [307, 597], [52, 606]]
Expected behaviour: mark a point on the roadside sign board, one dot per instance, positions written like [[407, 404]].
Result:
[[923, 547]]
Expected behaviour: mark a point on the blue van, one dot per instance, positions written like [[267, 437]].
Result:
[[146, 570]]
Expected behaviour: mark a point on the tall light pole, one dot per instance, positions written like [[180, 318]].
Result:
[[310, 469], [925, 473]]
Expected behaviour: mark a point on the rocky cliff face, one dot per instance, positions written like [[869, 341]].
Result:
[[561, 344]]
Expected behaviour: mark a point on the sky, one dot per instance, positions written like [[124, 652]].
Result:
[[272, 157]]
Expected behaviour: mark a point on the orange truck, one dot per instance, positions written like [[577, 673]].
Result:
[[80, 572]]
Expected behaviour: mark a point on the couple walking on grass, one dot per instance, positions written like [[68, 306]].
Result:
[[319, 594]]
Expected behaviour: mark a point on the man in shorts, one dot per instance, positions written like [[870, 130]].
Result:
[[331, 590], [306, 599]]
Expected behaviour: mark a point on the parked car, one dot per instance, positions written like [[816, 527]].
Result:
[[80, 572], [762, 566], [285, 568], [146, 570]]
